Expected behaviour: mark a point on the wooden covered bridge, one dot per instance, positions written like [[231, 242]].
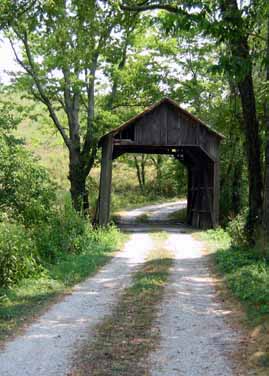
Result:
[[166, 128]]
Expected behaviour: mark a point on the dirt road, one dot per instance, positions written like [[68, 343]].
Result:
[[195, 338]]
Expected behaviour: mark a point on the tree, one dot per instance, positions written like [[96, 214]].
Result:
[[237, 39], [232, 29], [266, 118], [62, 47], [140, 165], [9, 8]]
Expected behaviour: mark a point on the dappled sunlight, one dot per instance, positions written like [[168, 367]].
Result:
[[52, 338], [150, 213], [191, 320]]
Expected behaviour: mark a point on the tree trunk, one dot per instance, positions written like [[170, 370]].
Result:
[[158, 166], [78, 190], [143, 172], [266, 118], [237, 187], [139, 174], [238, 43], [253, 153]]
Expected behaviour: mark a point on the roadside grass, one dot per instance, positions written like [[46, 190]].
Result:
[[179, 215], [21, 303], [143, 218], [124, 340], [160, 235], [246, 275]]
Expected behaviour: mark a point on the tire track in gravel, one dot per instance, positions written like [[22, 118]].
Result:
[[195, 337], [47, 346]]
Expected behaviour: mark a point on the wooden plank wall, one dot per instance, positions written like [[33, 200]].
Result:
[[158, 131], [166, 125]]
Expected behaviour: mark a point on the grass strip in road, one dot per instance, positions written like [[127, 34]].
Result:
[[125, 339]]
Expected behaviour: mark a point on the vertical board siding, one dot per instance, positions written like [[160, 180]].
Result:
[[163, 129]]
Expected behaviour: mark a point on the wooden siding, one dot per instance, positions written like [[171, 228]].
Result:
[[166, 125], [165, 128]]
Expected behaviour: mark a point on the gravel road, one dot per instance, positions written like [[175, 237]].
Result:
[[195, 338], [155, 213], [46, 348]]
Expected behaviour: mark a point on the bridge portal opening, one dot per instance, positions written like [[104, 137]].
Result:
[[167, 129]]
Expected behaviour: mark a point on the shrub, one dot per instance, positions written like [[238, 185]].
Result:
[[61, 234], [251, 283], [26, 192], [218, 235], [17, 254], [236, 229], [234, 258]]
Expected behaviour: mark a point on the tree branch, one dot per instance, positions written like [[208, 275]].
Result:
[[31, 71], [143, 8]]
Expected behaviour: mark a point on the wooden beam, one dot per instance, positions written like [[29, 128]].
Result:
[[216, 193], [196, 198], [190, 195], [209, 196], [103, 212]]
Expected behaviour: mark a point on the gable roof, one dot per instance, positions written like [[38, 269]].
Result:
[[151, 108]]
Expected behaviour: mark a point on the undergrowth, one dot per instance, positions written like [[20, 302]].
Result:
[[28, 297], [246, 272]]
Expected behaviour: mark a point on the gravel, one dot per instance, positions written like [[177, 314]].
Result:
[[47, 346], [154, 213], [195, 337]]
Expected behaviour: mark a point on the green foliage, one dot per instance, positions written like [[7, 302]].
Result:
[[29, 296], [237, 229], [247, 276], [233, 259], [96, 247], [217, 236], [26, 191], [245, 271], [251, 284], [17, 254], [67, 233], [36, 230], [60, 234]]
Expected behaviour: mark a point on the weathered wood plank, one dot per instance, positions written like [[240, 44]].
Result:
[[209, 197], [105, 183], [165, 128], [216, 192]]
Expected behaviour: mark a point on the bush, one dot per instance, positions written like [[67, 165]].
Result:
[[247, 275], [251, 283], [26, 192], [236, 229], [218, 235], [61, 234], [17, 254], [234, 258]]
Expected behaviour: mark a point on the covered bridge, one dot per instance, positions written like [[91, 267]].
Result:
[[166, 128]]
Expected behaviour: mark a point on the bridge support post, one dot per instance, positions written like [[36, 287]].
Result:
[[103, 206], [216, 193]]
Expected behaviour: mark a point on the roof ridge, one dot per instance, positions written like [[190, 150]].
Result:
[[151, 108]]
